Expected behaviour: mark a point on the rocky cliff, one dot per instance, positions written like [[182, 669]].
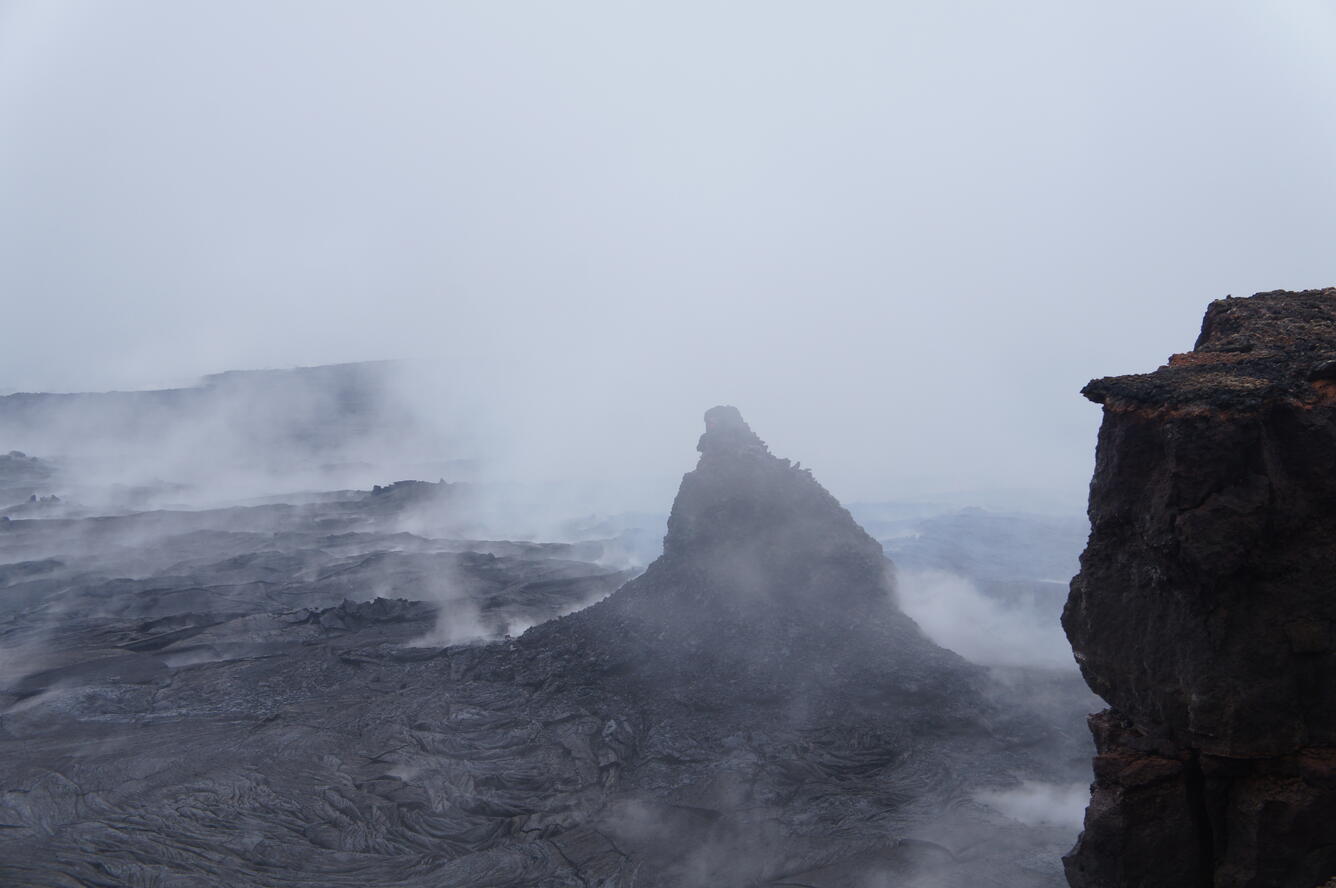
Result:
[[1203, 612]]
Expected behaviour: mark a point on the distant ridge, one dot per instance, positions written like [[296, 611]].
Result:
[[225, 376], [245, 419]]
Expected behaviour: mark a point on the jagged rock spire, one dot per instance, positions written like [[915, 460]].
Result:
[[766, 586], [727, 433], [766, 534]]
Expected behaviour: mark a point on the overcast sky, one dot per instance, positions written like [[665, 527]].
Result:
[[899, 236]]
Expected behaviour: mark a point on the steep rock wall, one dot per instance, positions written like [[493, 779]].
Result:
[[1205, 606]]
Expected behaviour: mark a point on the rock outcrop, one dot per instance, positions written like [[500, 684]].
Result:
[[1204, 610], [767, 588]]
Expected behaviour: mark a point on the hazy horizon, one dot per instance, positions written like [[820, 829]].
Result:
[[899, 238]]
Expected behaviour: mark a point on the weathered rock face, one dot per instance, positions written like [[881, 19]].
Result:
[[1204, 611]]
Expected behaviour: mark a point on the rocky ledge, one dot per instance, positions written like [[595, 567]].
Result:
[[1203, 611]]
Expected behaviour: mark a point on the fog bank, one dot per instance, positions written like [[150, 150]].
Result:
[[858, 221]]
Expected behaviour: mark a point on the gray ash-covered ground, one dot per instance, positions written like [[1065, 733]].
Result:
[[269, 695]]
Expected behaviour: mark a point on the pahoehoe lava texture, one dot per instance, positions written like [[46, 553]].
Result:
[[1204, 612], [752, 710]]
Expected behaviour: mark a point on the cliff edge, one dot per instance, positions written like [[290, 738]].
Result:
[[1203, 612]]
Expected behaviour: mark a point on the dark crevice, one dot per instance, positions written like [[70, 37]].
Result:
[[1195, 787]]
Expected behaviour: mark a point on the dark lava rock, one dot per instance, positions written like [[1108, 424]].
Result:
[[768, 589], [1203, 611], [754, 709]]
